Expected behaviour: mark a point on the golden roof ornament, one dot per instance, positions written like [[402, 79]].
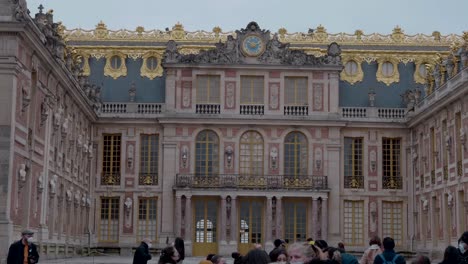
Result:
[[359, 34], [217, 30], [61, 29], [436, 35], [282, 31], [178, 31], [465, 36], [101, 30], [397, 34], [321, 34], [140, 30]]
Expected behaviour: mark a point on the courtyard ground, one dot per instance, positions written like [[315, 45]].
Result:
[[114, 260]]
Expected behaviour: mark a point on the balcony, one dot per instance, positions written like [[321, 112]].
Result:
[[392, 182], [110, 178], [393, 114], [208, 109], [148, 179], [130, 109], [252, 109], [354, 182], [291, 110], [252, 182]]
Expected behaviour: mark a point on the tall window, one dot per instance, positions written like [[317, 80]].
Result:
[[149, 157], [251, 154], [252, 90], [392, 221], [208, 89], [207, 153], [147, 216], [354, 222], [111, 159], [295, 91], [433, 155], [444, 149], [109, 225], [295, 221], [391, 162], [353, 152], [295, 154]]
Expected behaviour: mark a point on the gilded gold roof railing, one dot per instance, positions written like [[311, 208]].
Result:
[[316, 36]]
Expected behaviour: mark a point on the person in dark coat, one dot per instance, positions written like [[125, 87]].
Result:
[[142, 254], [179, 245], [463, 248], [23, 249], [389, 253]]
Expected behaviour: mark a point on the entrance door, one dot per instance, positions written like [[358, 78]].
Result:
[[250, 224], [295, 220], [205, 223]]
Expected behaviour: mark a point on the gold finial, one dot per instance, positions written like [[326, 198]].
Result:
[[436, 35], [178, 27], [178, 31], [101, 30], [397, 34], [320, 33], [101, 25], [321, 29], [282, 31], [140, 30], [359, 34], [454, 46], [217, 30]]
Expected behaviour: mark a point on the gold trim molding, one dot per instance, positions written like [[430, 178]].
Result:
[[352, 79], [115, 72], [316, 36], [147, 72], [394, 77]]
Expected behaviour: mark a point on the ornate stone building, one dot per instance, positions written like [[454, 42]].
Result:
[[229, 138]]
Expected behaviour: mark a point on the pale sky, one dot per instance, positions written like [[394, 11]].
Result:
[[371, 16]]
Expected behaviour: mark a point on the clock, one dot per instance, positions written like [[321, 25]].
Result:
[[253, 46]]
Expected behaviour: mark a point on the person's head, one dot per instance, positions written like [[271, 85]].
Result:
[[299, 252], [236, 255], [332, 253], [147, 241], [278, 242], [375, 240], [27, 236], [463, 242], [451, 255], [169, 255], [421, 260], [282, 256], [322, 244], [179, 245], [209, 257], [388, 243], [255, 256], [217, 259], [341, 247]]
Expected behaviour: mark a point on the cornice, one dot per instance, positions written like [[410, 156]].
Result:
[[315, 36]]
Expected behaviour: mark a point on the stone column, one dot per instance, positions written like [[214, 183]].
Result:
[[332, 171], [234, 225], [315, 221], [325, 219], [188, 218], [171, 79], [167, 182], [279, 217], [269, 220], [333, 95], [223, 220], [178, 214]]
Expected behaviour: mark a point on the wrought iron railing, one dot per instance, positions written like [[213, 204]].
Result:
[[288, 182], [210, 109], [392, 182], [110, 178], [252, 109], [294, 110], [148, 179], [354, 182]]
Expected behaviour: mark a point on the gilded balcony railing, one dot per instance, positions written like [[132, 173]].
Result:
[[460, 168], [148, 179], [263, 182], [110, 178], [392, 182], [354, 182]]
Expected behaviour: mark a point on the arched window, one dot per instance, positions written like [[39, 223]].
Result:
[[295, 154], [207, 153], [251, 154]]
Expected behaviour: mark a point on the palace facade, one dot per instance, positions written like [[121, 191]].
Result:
[[229, 138]]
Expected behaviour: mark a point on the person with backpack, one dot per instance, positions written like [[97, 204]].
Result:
[[389, 256]]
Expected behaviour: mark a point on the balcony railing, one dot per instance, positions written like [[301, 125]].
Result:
[[392, 182], [128, 109], [254, 182], [148, 179], [208, 109], [373, 112], [354, 182], [110, 178], [252, 109], [291, 110]]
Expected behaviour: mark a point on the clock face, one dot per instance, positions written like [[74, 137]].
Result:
[[253, 46]]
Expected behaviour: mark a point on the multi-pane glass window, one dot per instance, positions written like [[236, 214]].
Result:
[[353, 153], [251, 222], [392, 221], [295, 154], [147, 218], [109, 224], [207, 153], [111, 159], [252, 89], [295, 221], [391, 162], [149, 157], [208, 89], [205, 221], [353, 222], [251, 154], [295, 91]]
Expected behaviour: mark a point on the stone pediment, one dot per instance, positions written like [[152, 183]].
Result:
[[253, 45]]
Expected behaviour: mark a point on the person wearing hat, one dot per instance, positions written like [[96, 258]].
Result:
[[23, 251]]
